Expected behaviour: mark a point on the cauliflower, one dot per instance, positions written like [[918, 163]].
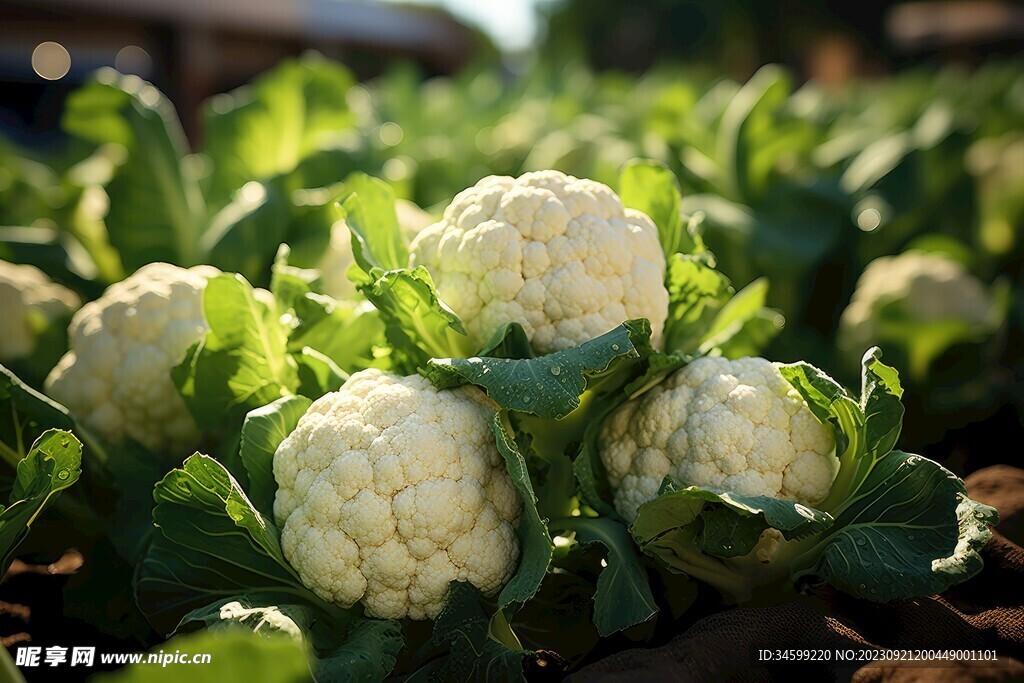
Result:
[[29, 301], [389, 489], [722, 425], [557, 254], [926, 288], [116, 378], [338, 258]]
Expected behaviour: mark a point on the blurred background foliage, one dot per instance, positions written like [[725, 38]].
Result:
[[813, 137]]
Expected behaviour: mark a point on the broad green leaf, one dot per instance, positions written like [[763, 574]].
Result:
[[358, 650], [880, 400], [696, 293], [348, 333], [288, 283], [241, 236], [677, 507], [53, 463], [419, 326], [236, 656], [910, 531], [766, 90], [262, 432], [735, 314], [210, 542], [317, 373], [535, 546], [547, 386], [367, 655], [241, 362], [623, 598], [26, 413], [473, 654], [156, 207], [263, 614], [272, 125], [378, 241], [650, 187]]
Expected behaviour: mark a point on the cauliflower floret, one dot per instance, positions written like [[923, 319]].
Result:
[[928, 287], [338, 258], [389, 489], [29, 301], [723, 425], [557, 254], [117, 376]]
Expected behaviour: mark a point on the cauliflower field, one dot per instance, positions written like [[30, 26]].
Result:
[[495, 415]]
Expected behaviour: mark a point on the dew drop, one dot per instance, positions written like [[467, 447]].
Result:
[[615, 347], [555, 370], [63, 474]]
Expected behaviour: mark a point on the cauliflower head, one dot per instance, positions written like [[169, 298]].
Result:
[[557, 254], [928, 287], [336, 261], [723, 425], [389, 489], [116, 377], [29, 301]]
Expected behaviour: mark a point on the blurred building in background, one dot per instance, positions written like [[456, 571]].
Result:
[[192, 49]]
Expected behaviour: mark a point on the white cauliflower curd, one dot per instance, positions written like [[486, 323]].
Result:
[[29, 301], [928, 288], [557, 254], [389, 489], [722, 425], [116, 377]]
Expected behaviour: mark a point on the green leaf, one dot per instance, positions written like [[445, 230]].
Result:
[[317, 373], [678, 507], [236, 656], [345, 332], [210, 542], [650, 187], [156, 207], [256, 613], [241, 235], [623, 598], [378, 241], [241, 363], [53, 463], [535, 546], [26, 413], [262, 432], [367, 655], [418, 325], [880, 400], [696, 292], [290, 284], [269, 127], [910, 531], [360, 649], [547, 386], [473, 655]]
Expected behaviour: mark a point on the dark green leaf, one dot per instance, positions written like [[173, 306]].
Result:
[[156, 208], [53, 463], [547, 386], [535, 546], [210, 542], [911, 531], [262, 432], [623, 598]]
